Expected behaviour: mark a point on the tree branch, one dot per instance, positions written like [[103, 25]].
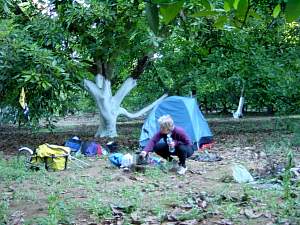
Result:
[[126, 87], [93, 89], [246, 15], [107, 88], [124, 112], [99, 80], [140, 67]]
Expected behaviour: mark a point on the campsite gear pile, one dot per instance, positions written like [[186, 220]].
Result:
[[206, 157], [56, 157], [148, 160], [112, 146], [53, 157], [87, 148], [127, 161], [74, 144], [185, 113], [120, 160]]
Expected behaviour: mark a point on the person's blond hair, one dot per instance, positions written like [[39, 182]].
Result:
[[166, 122]]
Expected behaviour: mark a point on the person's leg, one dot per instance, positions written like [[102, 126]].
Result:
[[183, 152], [162, 149]]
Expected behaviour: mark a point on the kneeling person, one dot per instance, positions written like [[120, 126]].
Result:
[[180, 144]]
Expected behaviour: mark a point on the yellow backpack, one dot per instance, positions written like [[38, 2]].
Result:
[[55, 157]]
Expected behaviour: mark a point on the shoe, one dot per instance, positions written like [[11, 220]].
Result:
[[181, 170]]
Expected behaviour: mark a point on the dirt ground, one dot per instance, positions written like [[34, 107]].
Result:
[[236, 142], [85, 127]]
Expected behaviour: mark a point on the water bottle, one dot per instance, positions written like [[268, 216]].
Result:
[[169, 142], [154, 160]]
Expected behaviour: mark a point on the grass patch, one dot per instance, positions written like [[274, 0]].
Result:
[[97, 208], [58, 212], [3, 211], [156, 192]]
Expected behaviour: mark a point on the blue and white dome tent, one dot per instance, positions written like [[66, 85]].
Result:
[[185, 113]]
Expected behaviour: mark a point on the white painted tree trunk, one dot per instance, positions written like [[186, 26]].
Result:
[[239, 112], [110, 106]]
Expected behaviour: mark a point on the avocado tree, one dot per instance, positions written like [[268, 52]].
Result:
[[113, 38], [34, 64], [218, 47], [107, 41]]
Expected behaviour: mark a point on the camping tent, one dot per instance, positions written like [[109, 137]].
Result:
[[185, 113]]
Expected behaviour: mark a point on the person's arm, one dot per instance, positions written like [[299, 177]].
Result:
[[152, 142]]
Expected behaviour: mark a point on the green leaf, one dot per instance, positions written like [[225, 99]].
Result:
[[230, 2], [276, 11], [242, 8], [254, 14], [227, 6], [152, 16], [6, 8], [235, 4], [220, 22], [162, 1], [170, 11], [205, 13], [27, 78], [292, 10], [206, 4]]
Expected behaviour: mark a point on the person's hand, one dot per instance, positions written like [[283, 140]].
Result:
[[143, 154], [172, 144]]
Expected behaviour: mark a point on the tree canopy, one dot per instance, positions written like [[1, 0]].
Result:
[[213, 47]]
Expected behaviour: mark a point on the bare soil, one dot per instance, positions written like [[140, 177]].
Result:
[[241, 142]]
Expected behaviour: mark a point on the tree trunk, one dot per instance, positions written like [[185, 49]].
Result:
[[110, 106]]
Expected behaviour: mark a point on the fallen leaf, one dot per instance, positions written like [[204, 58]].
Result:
[[186, 206], [225, 222], [151, 220], [196, 172], [17, 218], [135, 178], [173, 216], [267, 215], [251, 214], [202, 204], [188, 222], [135, 219]]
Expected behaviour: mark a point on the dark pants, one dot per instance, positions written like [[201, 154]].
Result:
[[182, 151]]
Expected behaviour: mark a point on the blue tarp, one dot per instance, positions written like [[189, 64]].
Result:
[[185, 113]]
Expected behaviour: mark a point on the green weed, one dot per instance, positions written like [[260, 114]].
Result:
[[296, 136], [155, 173], [230, 210], [25, 195], [12, 170], [171, 198], [129, 198], [193, 214], [58, 212], [98, 208], [3, 211], [158, 210], [107, 177]]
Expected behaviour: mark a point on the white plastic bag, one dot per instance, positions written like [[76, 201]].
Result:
[[241, 174], [127, 161]]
